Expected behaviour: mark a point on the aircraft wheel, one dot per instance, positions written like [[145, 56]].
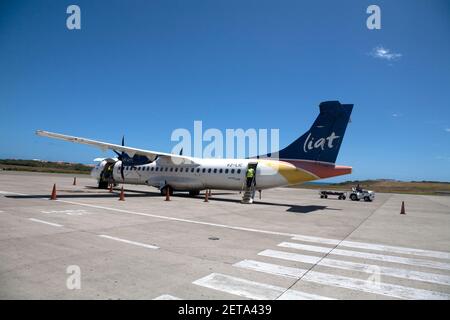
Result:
[[367, 199], [353, 197]]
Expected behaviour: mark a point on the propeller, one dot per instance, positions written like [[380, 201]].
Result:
[[130, 161], [121, 156]]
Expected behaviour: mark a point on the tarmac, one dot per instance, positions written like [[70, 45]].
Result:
[[290, 244]]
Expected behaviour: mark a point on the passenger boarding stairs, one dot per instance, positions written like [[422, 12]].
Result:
[[249, 192]]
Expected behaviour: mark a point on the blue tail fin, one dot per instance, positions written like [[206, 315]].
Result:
[[323, 141]]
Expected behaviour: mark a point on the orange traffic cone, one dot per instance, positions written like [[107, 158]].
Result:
[[402, 211], [53, 196], [206, 196], [122, 195], [74, 181]]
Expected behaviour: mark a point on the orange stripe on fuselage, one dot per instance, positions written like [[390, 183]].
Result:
[[321, 170]]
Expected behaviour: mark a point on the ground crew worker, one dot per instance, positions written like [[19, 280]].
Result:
[[250, 176]]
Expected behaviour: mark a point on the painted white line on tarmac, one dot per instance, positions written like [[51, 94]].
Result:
[[371, 256], [289, 256], [12, 193], [316, 239], [299, 295], [394, 249], [387, 271], [376, 247], [241, 287], [182, 220], [345, 265], [250, 289], [271, 268], [46, 222], [380, 288], [166, 297], [149, 246]]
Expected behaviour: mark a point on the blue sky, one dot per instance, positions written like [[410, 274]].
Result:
[[145, 68]]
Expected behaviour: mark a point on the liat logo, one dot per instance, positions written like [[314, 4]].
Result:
[[310, 144]]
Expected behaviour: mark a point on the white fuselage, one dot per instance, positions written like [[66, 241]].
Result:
[[227, 174]]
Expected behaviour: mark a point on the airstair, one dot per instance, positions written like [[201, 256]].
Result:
[[249, 192]]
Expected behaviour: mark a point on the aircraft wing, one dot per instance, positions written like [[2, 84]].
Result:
[[151, 155]]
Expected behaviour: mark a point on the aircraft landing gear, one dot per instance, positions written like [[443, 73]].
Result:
[[166, 189], [194, 193]]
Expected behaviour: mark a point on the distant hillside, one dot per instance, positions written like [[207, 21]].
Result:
[[43, 166], [388, 186]]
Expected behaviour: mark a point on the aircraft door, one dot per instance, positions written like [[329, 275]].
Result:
[[251, 182]]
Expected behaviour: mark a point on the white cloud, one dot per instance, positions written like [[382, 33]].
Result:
[[396, 115], [447, 129], [384, 53]]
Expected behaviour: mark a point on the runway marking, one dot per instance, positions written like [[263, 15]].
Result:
[[149, 246], [371, 256], [299, 295], [79, 212], [13, 193], [289, 256], [46, 222], [250, 289], [339, 264], [385, 289], [316, 239], [270, 268], [392, 290], [376, 247], [166, 297], [182, 220]]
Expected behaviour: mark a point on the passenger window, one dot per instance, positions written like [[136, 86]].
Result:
[[220, 170], [215, 171], [232, 171], [192, 170], [181, 169], [165, 169], [226, 170], [198, 170], [204, 170], [209, 170], [152, 169], [239, 171], [171, 169]]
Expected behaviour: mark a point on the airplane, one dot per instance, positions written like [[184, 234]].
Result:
[[310, 157]]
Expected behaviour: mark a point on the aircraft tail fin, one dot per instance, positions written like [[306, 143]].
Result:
[[323, 140]]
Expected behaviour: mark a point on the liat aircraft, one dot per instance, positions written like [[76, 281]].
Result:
[[310, 157]]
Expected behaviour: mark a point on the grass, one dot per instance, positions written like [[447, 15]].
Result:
[[43, 166], [388, 186]]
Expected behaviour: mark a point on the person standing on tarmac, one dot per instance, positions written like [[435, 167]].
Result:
[[250, 175]]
